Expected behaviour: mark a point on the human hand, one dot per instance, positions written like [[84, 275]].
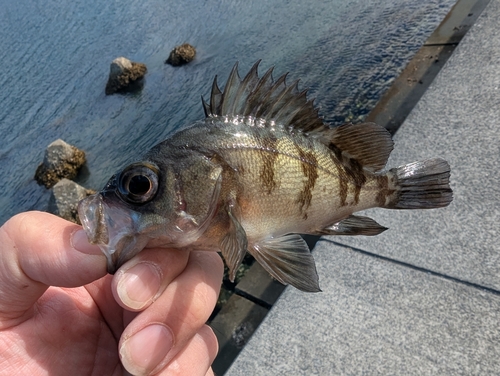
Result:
[[61, 314]]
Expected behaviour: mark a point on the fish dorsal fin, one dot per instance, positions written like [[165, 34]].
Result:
[[275, 101], [264, 98], [367, 143]]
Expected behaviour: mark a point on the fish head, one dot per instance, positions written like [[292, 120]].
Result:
[[122, 218], [146, 205]]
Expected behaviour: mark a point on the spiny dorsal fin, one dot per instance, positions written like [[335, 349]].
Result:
[[367, 143], [264, 98], [215, 100]]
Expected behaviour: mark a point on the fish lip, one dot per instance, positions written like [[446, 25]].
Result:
[[112, 228], [91, 214]]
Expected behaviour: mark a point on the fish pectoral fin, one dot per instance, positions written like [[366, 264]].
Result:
[[234, 245], [353, 225], [288, 260]]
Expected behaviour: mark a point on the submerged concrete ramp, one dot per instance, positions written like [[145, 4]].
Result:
[[423, 298]]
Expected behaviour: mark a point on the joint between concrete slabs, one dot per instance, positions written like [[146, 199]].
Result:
[[253, 299], [416, 268]]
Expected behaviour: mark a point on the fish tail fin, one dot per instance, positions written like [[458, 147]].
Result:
[[421, 185]]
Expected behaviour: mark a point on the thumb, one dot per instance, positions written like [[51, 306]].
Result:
[[38, 250]]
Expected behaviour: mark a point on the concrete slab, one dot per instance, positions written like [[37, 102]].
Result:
[[457, 119], [376, 317]]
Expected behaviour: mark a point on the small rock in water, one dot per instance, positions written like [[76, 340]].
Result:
[[64, 199], [61, 160], [181, 55], [125, 75]]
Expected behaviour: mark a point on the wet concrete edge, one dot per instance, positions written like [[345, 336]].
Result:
[[257, 292]]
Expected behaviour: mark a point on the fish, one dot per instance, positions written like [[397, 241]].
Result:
[[260, 169]]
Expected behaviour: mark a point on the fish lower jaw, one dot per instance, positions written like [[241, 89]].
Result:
[[110, 254]]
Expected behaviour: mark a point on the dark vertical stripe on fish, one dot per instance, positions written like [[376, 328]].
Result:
[[337, 161], [383, 190], [310, 170], [269, 155], [353, 171], [358, 177]]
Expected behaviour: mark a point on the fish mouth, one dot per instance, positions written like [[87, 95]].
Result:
[[112, 228]]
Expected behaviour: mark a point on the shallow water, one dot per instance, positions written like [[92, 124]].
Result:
[[55, 61]]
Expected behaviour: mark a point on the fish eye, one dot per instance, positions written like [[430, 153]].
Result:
[[138, 183]]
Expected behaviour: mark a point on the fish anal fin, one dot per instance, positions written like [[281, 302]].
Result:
[[289, 261], [234, 245], [353, 225], [368, 143]]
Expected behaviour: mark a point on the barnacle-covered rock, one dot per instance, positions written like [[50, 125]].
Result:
[[125, 75], [61, 160], [181, 55], [64, 199]]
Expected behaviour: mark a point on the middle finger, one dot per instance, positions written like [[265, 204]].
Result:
[[141, 280], [158, 333]]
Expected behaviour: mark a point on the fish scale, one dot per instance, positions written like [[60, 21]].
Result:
[[259, 170], [299, 175]]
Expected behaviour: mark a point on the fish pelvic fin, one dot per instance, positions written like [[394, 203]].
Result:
[[353, 225], [289, 261], [265, 99], [234, 245], [421, 185]]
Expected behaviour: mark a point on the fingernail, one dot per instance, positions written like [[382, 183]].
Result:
[[141, 353], [138, 285], [80, 242]]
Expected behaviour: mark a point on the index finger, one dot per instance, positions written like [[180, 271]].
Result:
[[39, 250]]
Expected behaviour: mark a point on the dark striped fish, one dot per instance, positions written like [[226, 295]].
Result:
[[260, 169]]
